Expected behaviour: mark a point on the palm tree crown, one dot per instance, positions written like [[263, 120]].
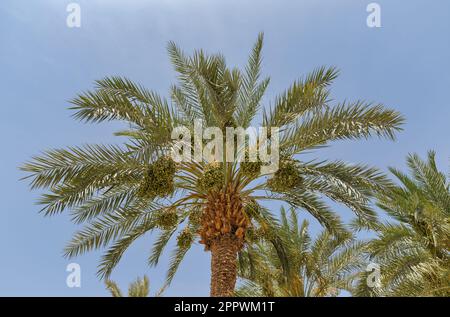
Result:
[[298, 266], [413, 250], [138, 288], [123, 192]]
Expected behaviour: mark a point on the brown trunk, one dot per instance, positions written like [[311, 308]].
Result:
[[223, 227], [223, 265]]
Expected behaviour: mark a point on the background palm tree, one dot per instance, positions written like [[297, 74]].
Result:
[[298, 266], [123, 192], [139, 288], [413, 249]]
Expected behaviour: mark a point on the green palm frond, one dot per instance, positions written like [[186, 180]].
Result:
[[176, 258], [113, 255], [252, 90], [302, 98], [113, 288], [110, 227], [321, 267], [138, 288], [159, 245], [318, 209], [413, 252], [76, 163], [118, 196], [345, 121]]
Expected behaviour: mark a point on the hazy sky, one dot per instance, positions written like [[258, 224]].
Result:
[[404, 64]]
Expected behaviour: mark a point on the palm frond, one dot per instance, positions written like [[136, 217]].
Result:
[[346, 121], [303, 97]]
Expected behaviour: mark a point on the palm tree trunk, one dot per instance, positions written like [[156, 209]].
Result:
[[224, 251]]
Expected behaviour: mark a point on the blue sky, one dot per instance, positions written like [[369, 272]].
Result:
[[404, 64]]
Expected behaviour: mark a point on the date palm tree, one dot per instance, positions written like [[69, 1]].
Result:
[[123, 191], [413, 249], [138, 288], [297, 265]]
